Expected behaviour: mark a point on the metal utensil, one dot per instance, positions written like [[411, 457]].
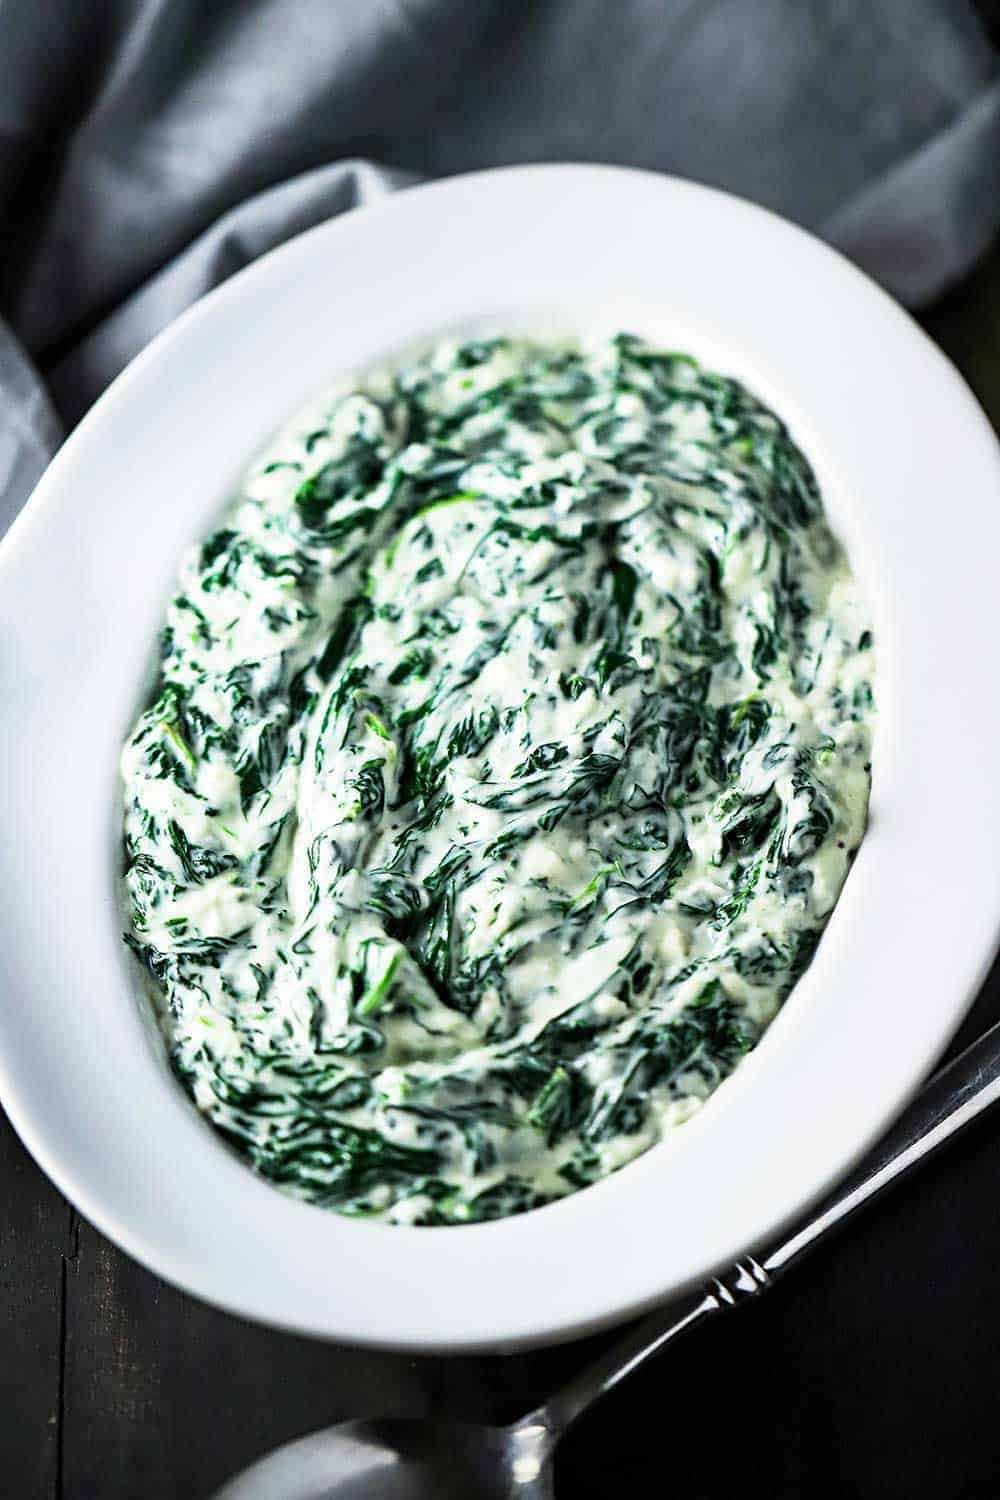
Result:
[[422, 1460]]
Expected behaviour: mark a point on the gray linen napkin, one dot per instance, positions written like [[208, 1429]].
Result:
[[149, 148]]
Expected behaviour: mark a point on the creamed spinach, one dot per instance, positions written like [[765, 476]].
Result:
[[509, 751]]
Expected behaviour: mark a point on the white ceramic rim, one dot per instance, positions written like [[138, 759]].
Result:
[[910, 472]]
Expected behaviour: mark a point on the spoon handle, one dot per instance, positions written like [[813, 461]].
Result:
[[953, 1097]]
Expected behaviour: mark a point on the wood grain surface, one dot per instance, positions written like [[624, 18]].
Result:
[[871, 1372]]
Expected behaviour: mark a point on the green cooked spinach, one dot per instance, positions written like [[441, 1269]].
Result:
[[509, 753]]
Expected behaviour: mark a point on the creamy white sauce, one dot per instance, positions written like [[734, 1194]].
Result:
[[510, 753]]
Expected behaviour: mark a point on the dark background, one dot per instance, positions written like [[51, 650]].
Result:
[[873, 1371]]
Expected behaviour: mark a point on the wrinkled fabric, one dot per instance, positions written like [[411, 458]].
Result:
[[149, 148], [29, 428]]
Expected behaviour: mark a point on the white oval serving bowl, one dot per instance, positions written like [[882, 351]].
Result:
[[910, 474]]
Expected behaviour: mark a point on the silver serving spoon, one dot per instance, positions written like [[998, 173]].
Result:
[[423, 1460]]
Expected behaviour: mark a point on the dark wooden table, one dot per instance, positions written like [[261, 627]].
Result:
[[875, 1371]]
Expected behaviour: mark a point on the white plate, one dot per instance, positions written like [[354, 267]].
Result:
[[911, 477]]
